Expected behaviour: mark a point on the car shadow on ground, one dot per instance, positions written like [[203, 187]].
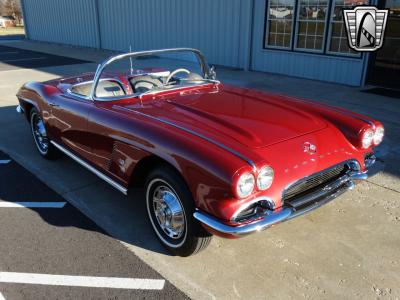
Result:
[[107, 211]]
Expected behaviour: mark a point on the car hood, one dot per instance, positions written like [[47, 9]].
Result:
[[235, 114]]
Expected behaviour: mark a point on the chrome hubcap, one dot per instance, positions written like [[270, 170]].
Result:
[[169, 212], [39, 133]]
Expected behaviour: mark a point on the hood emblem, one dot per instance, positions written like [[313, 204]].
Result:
[[309, 148]]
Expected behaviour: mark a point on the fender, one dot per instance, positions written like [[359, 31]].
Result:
[[249, 161]]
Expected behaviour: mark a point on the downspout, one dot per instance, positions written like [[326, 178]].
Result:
[[97, 24], [249, 34], [366, 57], [26, 27]]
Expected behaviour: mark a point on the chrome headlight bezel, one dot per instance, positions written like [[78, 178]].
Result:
[[379, 134], [367, 138], [265, 178], [245, 185]]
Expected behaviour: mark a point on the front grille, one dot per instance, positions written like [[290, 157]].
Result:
[[313, 182]]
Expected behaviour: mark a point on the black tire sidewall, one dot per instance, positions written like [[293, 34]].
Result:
[[52, 152], [178, 186], [151, 186], [32, 114]]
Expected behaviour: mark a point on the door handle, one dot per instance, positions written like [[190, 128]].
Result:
[[53, 104]]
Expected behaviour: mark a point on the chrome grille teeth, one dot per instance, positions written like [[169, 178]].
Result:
[[312, 182]]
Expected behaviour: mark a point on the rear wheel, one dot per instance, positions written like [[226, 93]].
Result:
[[170, 208], [42, 142]]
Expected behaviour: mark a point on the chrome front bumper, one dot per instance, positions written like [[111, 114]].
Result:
[[319, 198]]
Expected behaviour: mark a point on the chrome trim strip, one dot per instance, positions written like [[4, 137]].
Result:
[[92, 169], [248, 204], [156, 91], [250, 162], [82, 97], [274, 217]]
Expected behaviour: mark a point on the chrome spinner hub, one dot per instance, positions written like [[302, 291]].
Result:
[[169, 212], [40, 134]]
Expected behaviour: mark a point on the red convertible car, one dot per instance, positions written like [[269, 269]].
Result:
[[213, 158]]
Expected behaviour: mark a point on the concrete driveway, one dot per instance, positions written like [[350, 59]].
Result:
[[347, 249]]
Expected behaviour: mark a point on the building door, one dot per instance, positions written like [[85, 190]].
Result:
[[384, 66]]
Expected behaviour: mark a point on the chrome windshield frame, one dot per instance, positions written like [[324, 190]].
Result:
[[100, 68]]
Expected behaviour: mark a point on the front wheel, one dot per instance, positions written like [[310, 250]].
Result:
[[170, 208], [42, 142]]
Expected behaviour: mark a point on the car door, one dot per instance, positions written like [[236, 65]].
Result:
[[116, 147], [101, 130], [68, 123]]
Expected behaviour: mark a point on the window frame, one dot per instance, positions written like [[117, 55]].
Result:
[[329, 42], [266, 28], [295, 21], [295, 38]]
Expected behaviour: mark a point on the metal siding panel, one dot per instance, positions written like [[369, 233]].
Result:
[[62, 21], [210, 25], [326, 68]]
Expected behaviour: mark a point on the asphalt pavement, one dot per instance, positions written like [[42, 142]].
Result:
[[50, 250], [13, 58]]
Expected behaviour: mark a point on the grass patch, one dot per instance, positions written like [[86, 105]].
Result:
[[12, 30]]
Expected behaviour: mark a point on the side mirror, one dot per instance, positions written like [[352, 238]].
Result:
[[212, 74]]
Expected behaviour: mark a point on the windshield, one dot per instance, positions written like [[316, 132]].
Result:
[[152, 71], [170, 61]]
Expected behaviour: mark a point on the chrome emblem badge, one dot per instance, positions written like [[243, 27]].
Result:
[[309, 148], [365, 27]]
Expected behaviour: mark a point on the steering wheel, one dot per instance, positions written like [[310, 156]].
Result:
[[173, 73]]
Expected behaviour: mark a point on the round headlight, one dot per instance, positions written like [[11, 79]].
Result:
[[265, 178], [378, 137], [245, 185], [367, 138]]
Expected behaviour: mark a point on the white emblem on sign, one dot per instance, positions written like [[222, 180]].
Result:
[[365, 27]]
